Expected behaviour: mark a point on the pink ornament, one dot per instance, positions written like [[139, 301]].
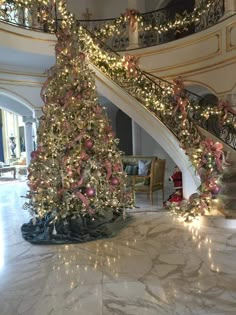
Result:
[[60, 191], [34, 154], [114, 181], [82, 56], [88, 143], [69, 171], [117, 167], [90, 192], [108, 128], [84, 156], [215, 189]]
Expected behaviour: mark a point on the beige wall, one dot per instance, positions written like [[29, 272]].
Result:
[[207, 58]]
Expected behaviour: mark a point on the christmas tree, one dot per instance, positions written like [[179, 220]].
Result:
[[76, 182]]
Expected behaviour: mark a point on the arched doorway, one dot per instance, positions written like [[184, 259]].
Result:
[[124, 132], [20, 135]]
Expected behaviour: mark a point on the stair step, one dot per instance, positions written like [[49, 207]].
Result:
[[228, 189], [228, 202], [230, 214]]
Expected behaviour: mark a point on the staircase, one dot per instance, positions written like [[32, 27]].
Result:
[[159, 91]]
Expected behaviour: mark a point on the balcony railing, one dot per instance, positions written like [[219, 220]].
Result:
[[153, 28]]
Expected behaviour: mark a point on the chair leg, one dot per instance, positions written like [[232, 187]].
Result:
[[133, 195], [151, 197]]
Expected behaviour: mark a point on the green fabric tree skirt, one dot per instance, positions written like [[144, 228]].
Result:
[[74, 230]]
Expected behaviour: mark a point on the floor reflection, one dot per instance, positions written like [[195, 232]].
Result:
[[157, 265]]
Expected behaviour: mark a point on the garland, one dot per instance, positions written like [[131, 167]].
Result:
[[180, 23]]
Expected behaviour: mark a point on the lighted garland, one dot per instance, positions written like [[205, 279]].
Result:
[[42, 10], [135, 21]]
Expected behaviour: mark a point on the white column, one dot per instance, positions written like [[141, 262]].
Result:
[[28, 120], [136, 138], [16, 134], [230, 7], [133, 34], [33, 18], [37, 114]]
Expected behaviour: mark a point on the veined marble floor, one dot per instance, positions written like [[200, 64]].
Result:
[[156, 266]]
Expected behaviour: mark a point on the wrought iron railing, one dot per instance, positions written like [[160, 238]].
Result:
[[158, 27], [155, 27], [225, 132], [29, 17]]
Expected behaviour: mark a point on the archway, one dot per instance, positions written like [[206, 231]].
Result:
[[16, 105], [124, 132]]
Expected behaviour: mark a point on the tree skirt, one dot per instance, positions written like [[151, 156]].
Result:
[[74, 230]]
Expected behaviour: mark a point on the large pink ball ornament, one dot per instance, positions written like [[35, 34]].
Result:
[[215, 189], [90, 192], [114, 181], [88, 143]]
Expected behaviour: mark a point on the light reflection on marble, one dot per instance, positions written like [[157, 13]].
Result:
[[157, 265]]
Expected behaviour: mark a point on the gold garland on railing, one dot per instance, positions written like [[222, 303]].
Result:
[[135, 21], [44, 11]]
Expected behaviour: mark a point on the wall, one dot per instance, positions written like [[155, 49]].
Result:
[[150, 147], [105, 9]]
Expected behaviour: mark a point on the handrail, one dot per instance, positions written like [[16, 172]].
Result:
[[212, 124], [158, 26]]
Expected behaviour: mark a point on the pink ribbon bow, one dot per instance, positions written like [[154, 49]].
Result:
[[131, 15]]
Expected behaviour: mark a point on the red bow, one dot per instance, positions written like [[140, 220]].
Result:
[[226, 107], [216, 149]]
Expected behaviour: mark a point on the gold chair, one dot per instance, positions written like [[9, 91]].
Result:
[[153, 181]]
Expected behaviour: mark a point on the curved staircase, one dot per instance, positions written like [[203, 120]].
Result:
[[159, 91], [226, 199]]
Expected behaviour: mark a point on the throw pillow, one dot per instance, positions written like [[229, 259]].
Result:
[[131, 169], [143, 167]]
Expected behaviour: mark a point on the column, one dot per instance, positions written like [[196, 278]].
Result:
[[230, 7], [37, 114], [34, 18], [136, 138], [133, 34], [28, 120]]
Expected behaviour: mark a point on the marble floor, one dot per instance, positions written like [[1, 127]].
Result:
[[156, 266]]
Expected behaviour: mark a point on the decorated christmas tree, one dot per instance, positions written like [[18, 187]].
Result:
[[75, 178]]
